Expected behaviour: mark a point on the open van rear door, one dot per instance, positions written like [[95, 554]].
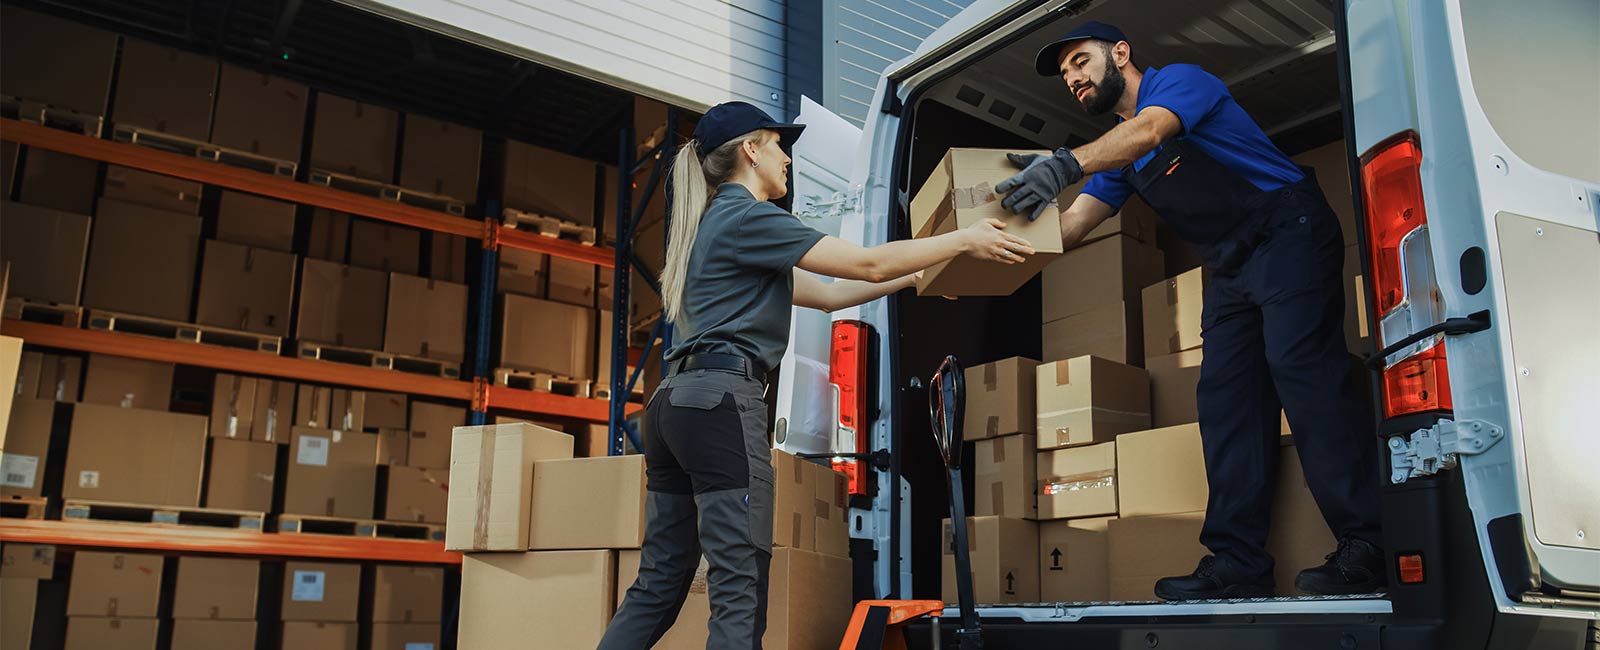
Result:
[[824, 164]]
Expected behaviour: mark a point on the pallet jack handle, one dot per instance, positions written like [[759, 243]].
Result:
[[947, 404]]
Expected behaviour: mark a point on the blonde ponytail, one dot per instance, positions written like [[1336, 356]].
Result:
[[692, 182]]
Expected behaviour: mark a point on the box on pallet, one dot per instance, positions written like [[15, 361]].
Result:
[[1141, 550], [1119, 267], [97, 633], [384, 411], [383, 246], [128, 382], [562, 598], [438, 157], [165, 89], [331, 473], [426, 318], [50, 376], [274, 411], [321, 591], [150, 190], [20, 560], [1003, 477], [1000, 398], [521, 272], [583, 503], [1004, 553], [1085, 400], [243, 288], [45, 249], [134, 456], [341, 305], [216, 588], [233, 406], [543, 336], [321, 407], [1072, 560], [59, 181], [1174, 380], [431, 425], [260, 113], [125, 585], [1110, 332], [405, 636], [491, 487], [1161, 472], [242, 474], [26, 451], [354, 138], [1172, 309], [960, 193], [572, 282], [206, 634], [393, 446], [549, 183], [416, 494], [69, 64], [1078, 481], [143, 261], [447, 257], [407, 594]]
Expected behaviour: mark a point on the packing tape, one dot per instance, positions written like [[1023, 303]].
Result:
[[1078, 482], [480, 522], [215, 612], [1100, 414], [990, 376], [1063, 373], [992, 429], [327, 507], [111, 606], [997, 494], [794, 531], [999, 453], [823, 511], [1172, 291], [974, 196]]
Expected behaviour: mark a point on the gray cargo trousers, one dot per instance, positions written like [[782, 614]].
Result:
[[709, 491]]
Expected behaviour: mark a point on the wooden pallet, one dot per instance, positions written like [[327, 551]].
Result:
[[387, 192], [543, 382], [548, 226], [110, 321], [44, 312], [379, 360], [134, 513], [203, 150], [15, 506], [346, 527], [51, 116], [636, 397]]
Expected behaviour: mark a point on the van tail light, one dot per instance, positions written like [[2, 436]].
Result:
[[847, 374], [1405, 289]]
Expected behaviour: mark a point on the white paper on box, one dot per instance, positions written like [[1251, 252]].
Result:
[[313, 451], [419, 646], [308, 586], [18, 470], [89, 478]]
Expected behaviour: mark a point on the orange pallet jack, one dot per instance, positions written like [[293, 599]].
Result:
[[879, 624]]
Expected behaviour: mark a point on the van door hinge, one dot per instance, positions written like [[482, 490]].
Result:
[[816, 206], [1439, 447]]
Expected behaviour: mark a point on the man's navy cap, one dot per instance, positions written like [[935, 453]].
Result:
[[1047, 63], [730, 120]]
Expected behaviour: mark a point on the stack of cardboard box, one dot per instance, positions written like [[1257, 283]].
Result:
[[407, 606], [113, 601], [1090, 296], [22, 568], [43, 381], [320, 604], [214, 603]]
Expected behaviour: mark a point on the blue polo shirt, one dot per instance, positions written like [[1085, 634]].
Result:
[[1213, 122]]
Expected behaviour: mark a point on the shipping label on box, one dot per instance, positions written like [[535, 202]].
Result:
[[960, 193], [1004, 555], [1003, 477], [1162, 471], [1172, 310], [1072, 560], [584, 503], [1078, 481], [1086, 400], [331, 473], [1000, 398], [27, 447], [321, 591], [490, 493]]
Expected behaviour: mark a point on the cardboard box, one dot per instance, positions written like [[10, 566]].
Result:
[[59, 377], [543, 336], [405, 636], [1110, 332], [321, 591], [447, 257], [19, 598], [521, 272], [128, 382], [1174, 380], [10, 373], [384, 411], [342, 305], [587, 503], [1299, 537], [27, 447], [331, 473], [260, 113], [1003, 477], [274, 411], [196, 634], [1004, 555], [427, 318], [794, 522], [1072, 560], [233, 406], [165, 89], [1106, 272], [385, 247], [1142, 550], [808, 600], [139, 187], [354, 138], [592, 441], [960, 193], [329, 238], [1357, 334], [22, 560], [243, 288], [1086, 400], [68, 63], [1000, 398], [572, 282], [216, 588], [45, 249], [562, 598], [319, 635], [407, 594], [1162, 471], [832, 511], [98, 633], [549, 183], [242, 475], [114, 584], [689, 631], [134, 456], [492, 487], [321, 407], [143, 261], [1135, 221], [431, 425], [1172, 310], [417, 494], [1078, 481], [441, 158], [392, 446], [59, 181]]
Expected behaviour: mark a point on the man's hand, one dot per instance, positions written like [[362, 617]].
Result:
[[1039, 183]]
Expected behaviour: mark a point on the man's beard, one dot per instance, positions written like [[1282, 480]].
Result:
[[1108, 92]]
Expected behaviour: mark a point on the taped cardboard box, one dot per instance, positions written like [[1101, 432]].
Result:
[[832, 511], [441, 158], [1174, 382], [260, 113], [405, 636], [248, 289], [383, 411], [99, 633], [543, 336], [329, 238], [1003, 477], [1000, 398], [19, 598], [51, 376], [27, 447], [165, 89], [392, 446], [431, 426], [549, 183], [216, 588], [134, 456], [21, 560], [426, 318], [242, 475], [331, 473], [1110, 332], [416, 494], [1004, 553], [46, 250], [521, 272], [1142, 550], [562, 598], [341, 305], [1105, 272], [1172, 309], [321, 591], [68, 63], [491, 487], [385, 247], [587, 503], [794, 523], [407, 594], [200, 634], [808, 600], [960, 193], [274, 411], [1299, 537], [689, 631], [354, 138], [128, 382], [139, 187], [126, 585], [321, 407], [447, 257], [572, 282], [1078, 481], [1134, 220], [1162, 472], [143, 261], [1085, 400], [1072, 560], [233, 406], [319, 635]]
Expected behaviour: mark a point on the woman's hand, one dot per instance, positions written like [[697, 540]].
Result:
[[987, 240]]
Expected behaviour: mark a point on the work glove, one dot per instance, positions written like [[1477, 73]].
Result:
[[1041, 180]]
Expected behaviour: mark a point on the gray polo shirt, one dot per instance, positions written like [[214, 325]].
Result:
[[741, 279]]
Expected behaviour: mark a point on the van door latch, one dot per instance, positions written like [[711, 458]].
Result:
[[836, 205], [1439, 447]]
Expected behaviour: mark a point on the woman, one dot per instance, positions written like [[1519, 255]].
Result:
[[728, 286]]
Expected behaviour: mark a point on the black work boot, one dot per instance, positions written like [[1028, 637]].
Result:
[[1355, 567], [1206, 584]]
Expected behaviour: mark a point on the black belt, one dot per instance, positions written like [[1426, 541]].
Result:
[[720, 362]]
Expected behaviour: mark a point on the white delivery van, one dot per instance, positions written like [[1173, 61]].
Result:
[[1479, 117]]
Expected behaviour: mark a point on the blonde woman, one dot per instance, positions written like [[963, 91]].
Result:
[[728, 286]]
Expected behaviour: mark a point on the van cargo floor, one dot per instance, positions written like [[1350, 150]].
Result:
[[1065, 612]]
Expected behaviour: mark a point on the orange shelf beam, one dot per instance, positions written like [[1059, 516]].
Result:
[[529, 241], [596, 410], [255, 363], [92, 534]]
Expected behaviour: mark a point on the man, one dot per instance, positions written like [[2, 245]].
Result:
[[1272, 323]]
